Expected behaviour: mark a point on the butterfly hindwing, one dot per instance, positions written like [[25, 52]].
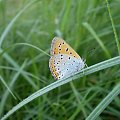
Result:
[[63, 65]]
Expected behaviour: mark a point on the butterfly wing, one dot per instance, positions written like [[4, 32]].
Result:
[[63, 65], [59, 46]]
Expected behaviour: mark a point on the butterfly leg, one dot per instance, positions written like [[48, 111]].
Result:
[[86, 65], [84, 60]]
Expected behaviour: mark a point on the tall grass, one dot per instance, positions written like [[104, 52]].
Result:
[[27, 28]]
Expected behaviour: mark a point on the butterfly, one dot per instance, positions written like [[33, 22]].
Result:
[[64, 61]]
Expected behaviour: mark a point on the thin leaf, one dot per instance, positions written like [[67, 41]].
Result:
[[94, 68], [90, 29], [10, 25], [105, 102], [3, 81], [113, 26]]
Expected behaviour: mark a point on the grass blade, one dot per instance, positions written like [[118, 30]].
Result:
[[33, 46], [94, 68], [90, 29], [113, 26], [11, 84], [3, 81], [106, 101], [14, 63], [8, 28]]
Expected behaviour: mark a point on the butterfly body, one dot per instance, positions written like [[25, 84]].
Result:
[[64, 61]]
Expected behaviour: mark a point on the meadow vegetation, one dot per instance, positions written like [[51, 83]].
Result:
[[91, 27]]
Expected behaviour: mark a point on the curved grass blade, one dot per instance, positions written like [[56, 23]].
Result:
[[106, 101], [33, 46], [15, 64], [113, 26], [94, 68], [90, 29], [8, 88], [10, 25], [11, 84]]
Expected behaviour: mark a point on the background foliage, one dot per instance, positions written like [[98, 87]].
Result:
[[36, 22]]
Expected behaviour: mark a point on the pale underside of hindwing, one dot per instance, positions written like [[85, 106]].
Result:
[[63, 65]]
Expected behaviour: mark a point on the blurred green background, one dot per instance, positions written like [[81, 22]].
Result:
[[83, 24]]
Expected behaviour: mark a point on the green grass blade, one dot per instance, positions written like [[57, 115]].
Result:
[[33, 46], [113, 26], [8, 88], [10, 25], [66, 14], [25, 72], [106, 101], [90, 29], [13, 63], [11, 84], [94, 68]]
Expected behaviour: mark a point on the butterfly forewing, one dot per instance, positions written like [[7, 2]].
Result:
[[59, 46]]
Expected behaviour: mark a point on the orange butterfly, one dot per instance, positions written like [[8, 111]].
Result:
[[64, 61]]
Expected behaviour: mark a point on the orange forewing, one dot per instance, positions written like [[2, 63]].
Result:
[[59, 46]]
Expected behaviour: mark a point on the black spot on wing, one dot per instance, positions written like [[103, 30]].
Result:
[[66, 49]]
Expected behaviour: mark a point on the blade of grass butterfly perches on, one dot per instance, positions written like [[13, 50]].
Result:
[[64, 61], [87, 71]]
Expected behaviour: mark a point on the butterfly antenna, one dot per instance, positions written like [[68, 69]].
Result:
[[89, 53]]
